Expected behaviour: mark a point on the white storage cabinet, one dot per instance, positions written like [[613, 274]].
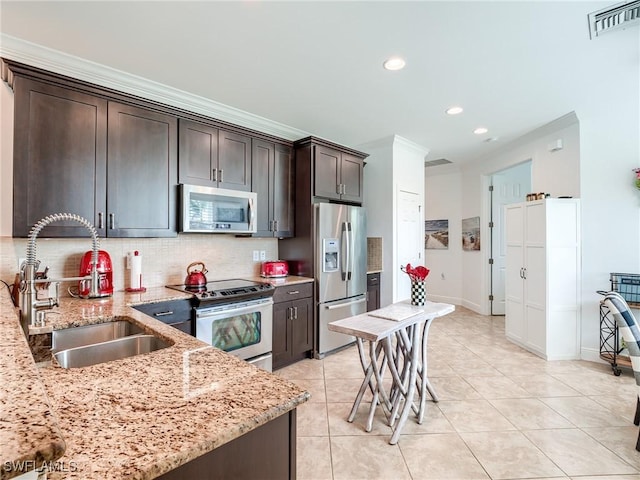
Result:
[[543, 277]]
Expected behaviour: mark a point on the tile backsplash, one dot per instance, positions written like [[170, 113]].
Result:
[[164, 260], [374, 254]]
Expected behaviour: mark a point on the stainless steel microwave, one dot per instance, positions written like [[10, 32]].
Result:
[[217, 210]]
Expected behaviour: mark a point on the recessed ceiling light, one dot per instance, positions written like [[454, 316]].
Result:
[[480, 130], [394, 63], [454, 110]]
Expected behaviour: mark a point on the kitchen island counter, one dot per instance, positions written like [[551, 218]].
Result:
[[142, 416]]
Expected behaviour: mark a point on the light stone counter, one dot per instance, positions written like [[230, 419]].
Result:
[[138, 417]]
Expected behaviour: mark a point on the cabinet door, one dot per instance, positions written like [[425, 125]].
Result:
[[515, 327], [326, 172], [373, 291], [142, 172], [234, 161], [351, 177], [301, 327], [198, 154], [262, 165], [283, 191], [60, 152], [281, 342]]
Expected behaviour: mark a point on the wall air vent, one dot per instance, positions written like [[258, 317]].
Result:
[[615, 17], [439, 161]]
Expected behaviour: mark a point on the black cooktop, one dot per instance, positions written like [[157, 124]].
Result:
[[226, 291]]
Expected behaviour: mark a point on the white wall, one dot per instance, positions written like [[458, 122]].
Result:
[[443, 201], [378, 200], [601, 147], [394, 163]]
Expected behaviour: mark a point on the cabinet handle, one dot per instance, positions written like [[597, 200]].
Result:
[[271, 228], [112, 220], [521, 273], [344, 188], [275, 225], [163, 314], [339, 188], [290, 313], [100, 222], [215, 174], [221, 176], [524, 272], [295, 313], [294, 292]]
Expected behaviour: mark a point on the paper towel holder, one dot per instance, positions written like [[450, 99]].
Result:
[[135, 268]]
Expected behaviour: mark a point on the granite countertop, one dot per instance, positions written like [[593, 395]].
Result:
[[138, 417]]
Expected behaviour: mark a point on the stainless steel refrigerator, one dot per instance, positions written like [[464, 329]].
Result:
[[340, 268]]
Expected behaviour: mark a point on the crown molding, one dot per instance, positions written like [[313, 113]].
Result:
[[39, 56], [410, 146]]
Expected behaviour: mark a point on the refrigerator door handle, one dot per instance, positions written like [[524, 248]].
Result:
[[341, 305], [344, 265], [350, 245]]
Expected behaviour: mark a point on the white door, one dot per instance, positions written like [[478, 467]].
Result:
[[515, 327], [410, 239], [509, 186]]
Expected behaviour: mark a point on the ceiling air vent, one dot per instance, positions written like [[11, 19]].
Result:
[[439, 161], [614, 17]]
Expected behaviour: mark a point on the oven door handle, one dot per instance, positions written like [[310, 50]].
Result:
[[223, 311]]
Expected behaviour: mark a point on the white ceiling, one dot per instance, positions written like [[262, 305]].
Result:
[[317, 66]]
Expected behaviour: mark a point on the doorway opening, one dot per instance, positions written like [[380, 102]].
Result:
[[507, 186]]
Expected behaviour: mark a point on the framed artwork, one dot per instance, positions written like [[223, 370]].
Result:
[[471, 233], [436, 234]]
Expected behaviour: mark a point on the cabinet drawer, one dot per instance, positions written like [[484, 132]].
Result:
[[174, 311], [293, 292], [373, 279]]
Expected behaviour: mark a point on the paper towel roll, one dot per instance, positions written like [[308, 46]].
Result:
[[135, 274]]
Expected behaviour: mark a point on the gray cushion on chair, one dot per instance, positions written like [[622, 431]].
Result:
[[628, 328]]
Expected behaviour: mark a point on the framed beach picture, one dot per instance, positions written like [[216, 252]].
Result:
[[436, 234], [471, 233]]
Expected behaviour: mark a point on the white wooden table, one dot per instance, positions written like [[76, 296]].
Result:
[[406, 360]]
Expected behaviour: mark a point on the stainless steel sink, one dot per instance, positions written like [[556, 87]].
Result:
[[90, 334], [108, 351]]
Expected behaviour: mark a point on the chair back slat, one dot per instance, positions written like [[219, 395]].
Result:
[[627, 327]]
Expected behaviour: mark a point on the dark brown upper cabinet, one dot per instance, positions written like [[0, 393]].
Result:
[[214, 157], [60, 157], [336, 172], [79, 153], [142, 172], [198, 154], [273, 180]]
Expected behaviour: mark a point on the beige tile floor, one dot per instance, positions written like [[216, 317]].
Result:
[[503, 414]]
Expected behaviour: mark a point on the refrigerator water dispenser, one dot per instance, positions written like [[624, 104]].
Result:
[[330, 254]]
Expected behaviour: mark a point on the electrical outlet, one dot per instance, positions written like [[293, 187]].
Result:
[[263, 255], [256, 256]]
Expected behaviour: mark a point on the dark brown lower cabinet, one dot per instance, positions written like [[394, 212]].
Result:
[[373, 291], [292, 324], [266, 453], [176, 313]]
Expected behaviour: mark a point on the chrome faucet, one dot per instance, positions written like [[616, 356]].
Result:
[[29, 303]]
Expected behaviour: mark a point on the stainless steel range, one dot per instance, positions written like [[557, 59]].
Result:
[[235, 316]]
